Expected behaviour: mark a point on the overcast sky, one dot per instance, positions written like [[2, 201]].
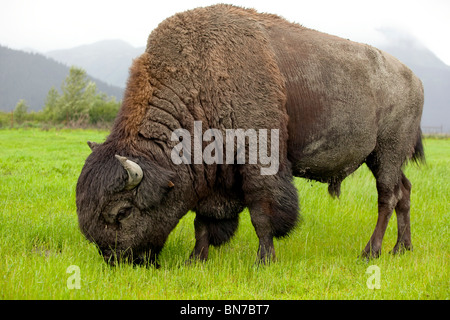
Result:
[[46, 25]]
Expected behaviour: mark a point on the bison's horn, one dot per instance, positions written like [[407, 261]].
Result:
[[134, 171]]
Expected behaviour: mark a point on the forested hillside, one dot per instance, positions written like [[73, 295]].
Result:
[[30, 76]]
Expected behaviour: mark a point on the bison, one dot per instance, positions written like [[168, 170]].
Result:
[[334, 103]]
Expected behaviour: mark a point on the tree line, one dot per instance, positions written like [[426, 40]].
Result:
[[78, 103]]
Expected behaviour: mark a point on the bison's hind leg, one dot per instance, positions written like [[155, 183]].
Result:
[[403, 218], [393, 193]]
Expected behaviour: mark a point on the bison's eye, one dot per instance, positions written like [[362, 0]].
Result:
[[123, 213], [117, 213]]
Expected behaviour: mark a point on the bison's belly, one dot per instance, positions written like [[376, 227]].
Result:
[[332, 131], [331, 155]]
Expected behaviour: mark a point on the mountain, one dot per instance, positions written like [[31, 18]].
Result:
[[434, 73], [30, 76], [108, 60]]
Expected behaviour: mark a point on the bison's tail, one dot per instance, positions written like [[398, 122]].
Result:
[[419, 153]]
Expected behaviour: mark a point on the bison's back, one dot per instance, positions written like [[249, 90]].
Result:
[[343, 98]]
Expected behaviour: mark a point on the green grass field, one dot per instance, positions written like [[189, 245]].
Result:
[[40, 238]]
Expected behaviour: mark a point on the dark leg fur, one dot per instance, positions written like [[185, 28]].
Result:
[[210, 231], [392, 194], [403, 220], [274, 212], [386, 204], [260, 215]]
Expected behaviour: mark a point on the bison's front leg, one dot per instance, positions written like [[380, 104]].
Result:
[[274, 214], [201, 248], [211, 231], [260, 216]]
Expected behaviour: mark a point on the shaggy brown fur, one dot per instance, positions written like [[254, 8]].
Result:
[[336, 103]]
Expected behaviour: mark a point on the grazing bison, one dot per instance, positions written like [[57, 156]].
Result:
[[334, 103]]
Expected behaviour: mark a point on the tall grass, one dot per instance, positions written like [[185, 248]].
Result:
[[40, 238]]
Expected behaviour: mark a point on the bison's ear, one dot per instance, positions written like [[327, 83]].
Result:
[[92, 145], [155, 186]]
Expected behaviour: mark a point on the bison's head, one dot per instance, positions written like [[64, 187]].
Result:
[[124, 205]]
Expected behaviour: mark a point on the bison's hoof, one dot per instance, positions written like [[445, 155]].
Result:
[[370, 254], [266, 260], [401, 248], [193, 259]]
